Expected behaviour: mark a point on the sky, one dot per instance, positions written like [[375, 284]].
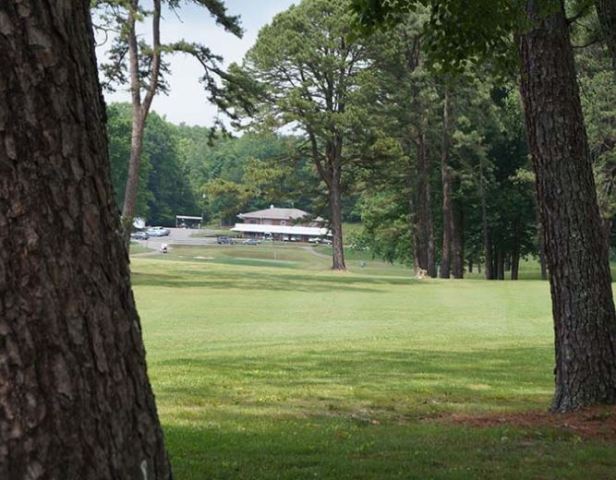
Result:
[[187, 100]]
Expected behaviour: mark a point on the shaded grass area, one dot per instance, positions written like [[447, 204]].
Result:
[[294, 373], [339, 449]]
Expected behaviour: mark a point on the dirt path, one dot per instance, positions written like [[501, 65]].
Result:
[[594, 422]]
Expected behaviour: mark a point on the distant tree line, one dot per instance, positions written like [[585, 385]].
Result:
[[437, 170], [184, 171]]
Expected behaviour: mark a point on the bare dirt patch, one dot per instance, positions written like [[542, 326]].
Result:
[[589, 423]]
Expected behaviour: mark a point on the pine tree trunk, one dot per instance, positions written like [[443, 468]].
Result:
[[500, 265], [576, 251], [140, 109], [75, 399], [485, 229], [457, 244], [606, 12], [515, 251], [334, 152], [335, 204], [133, 178], [138, 125], [515, 266], [447, 181], [424, 227], [489, 258], [331, 173], [495, 262]]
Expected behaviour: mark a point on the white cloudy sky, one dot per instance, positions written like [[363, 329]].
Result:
[[187, 100]]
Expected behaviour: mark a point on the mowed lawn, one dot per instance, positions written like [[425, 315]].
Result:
[[266, 365]]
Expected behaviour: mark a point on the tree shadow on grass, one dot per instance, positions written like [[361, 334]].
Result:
[[263, 280], [250, 447], [360, 414], [413, 382]]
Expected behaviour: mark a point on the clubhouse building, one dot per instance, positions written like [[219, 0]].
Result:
[[288, 224]]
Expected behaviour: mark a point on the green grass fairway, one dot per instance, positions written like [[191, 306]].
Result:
[[268, 366]]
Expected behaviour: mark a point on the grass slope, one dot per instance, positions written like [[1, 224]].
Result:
[[274, 368]]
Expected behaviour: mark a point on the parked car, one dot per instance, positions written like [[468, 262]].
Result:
[[158, 231], [139, 236], [319, 240], [251, 241], [222, 240]]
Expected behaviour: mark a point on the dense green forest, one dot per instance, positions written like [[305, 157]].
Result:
[[185, 170]]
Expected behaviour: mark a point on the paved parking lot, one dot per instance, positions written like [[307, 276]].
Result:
[[178, 236]]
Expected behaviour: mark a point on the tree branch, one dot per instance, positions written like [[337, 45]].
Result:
[[133, 55]]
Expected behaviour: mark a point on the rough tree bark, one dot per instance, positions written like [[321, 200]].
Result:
[[140, 108], [447, 182], [606, 11], [75, 400], [577, 255]]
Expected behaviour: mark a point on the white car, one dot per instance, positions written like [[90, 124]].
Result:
[[158, 231], [317, 240]]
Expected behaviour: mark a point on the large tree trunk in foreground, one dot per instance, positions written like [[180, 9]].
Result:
[[423, 224], [576, 251], [75, 400]]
